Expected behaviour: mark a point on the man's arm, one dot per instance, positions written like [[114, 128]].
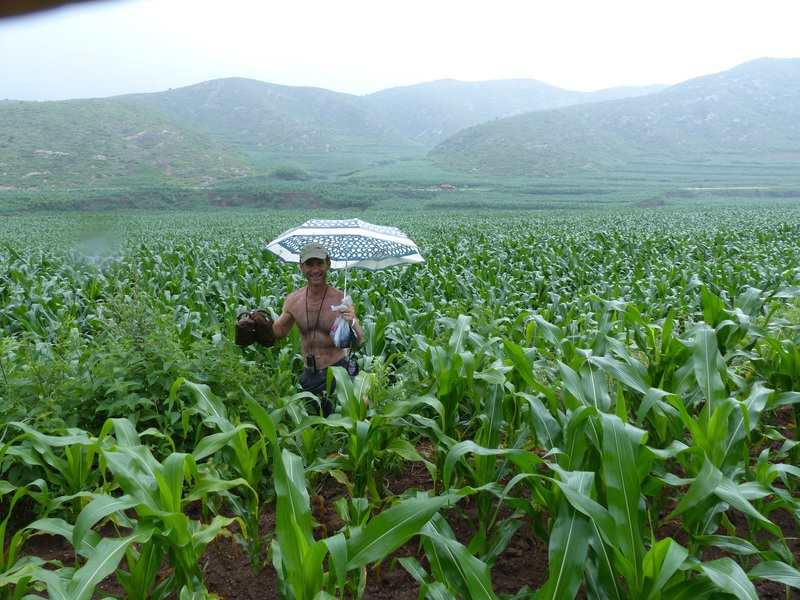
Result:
[[283, 325]]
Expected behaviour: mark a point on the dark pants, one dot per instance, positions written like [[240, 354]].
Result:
[[315, 382]]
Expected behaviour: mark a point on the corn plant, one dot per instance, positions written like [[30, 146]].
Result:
[[101, 555], [248, 456], [491, 532], [370, 443], [16, 571], [299, 559], [492, 463], [69, 462], [609, 538], [452, 564], [155, 491], [455, 386]]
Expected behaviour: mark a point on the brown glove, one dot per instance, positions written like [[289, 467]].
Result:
[[263, 327], [245, 329]]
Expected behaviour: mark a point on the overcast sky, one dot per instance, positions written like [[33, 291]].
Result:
[[111, 47]]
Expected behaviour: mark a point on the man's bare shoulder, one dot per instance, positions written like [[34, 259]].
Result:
[[294, 299], [335, 295]]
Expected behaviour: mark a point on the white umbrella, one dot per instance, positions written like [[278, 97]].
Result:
[[350, 243]]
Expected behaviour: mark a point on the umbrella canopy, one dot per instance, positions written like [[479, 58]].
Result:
[[350, 243]]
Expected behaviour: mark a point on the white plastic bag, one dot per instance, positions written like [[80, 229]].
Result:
[[342, 334], [346, 301]]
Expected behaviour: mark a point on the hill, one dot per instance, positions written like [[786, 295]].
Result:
[[431, 112], [242, 136], [251, 113], [232, 128], [255, 115], [106, 142], [749, 113]]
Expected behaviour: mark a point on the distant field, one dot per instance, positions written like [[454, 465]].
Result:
[[349, 184]]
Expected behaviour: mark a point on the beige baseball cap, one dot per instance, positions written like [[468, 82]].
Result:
[[313, 250]]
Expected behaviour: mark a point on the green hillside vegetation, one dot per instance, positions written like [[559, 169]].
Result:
[[430, 112], [746, 115], [263, 116], [256, 116], [502, 144], [106, 142], [235, 127]]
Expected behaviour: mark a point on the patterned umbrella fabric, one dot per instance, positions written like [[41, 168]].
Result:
[[350, 243]]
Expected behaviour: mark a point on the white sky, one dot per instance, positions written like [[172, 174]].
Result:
[[113, 47]]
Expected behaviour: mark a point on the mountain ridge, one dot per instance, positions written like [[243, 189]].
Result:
[[312, 119], [749, 111], [233, 128]]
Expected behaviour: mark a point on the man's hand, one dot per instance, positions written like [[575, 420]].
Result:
[[346, 310], [348, 314]]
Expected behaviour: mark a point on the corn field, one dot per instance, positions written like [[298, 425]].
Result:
[[599, 377]]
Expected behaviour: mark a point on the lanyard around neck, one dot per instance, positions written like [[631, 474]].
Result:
[[308, 320]]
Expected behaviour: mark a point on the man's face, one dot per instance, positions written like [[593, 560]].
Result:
[[315, 269]]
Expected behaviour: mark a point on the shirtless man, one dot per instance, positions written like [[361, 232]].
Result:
[[310, 309]]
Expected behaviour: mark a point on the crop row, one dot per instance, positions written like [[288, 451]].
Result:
[[600, 378]]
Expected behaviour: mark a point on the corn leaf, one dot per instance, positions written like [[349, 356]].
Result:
[[623, 492], [391, 529], [102, 562], [776, 571], [293, 518], [569, 542], [729, 577], [461, 570], [99, 508]]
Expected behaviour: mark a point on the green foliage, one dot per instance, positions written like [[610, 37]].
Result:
[[621, 382], [744, 129], [289, 174], [106, 143]]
